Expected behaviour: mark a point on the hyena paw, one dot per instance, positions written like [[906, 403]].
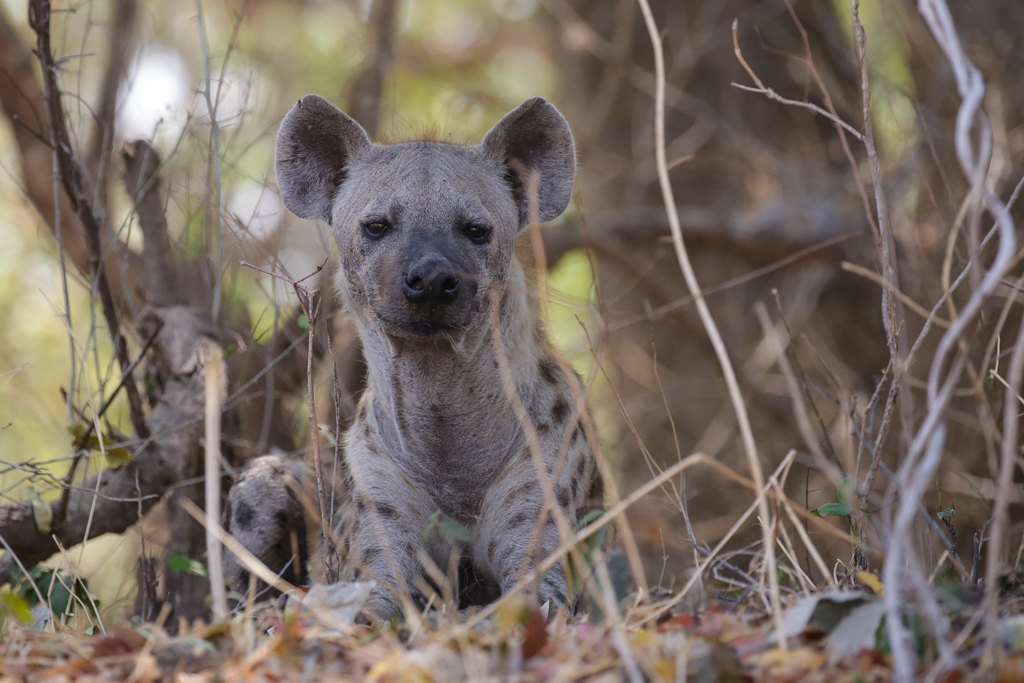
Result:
[[265, 515]]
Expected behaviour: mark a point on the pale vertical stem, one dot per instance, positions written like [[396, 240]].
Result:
[[735, 395], [214, 373], [213, 168]]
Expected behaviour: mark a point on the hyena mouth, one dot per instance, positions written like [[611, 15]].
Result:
[[427, 325], [428, 328]]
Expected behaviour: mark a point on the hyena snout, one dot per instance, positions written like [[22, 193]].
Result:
[[431, 280]]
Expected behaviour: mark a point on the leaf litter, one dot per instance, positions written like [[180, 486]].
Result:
[[834, 635]]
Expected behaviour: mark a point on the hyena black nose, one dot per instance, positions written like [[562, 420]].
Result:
[[431, 281]]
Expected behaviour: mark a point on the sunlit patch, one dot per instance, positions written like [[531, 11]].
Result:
[[521, 72], [255, 210], [515, 10], [153, 96]]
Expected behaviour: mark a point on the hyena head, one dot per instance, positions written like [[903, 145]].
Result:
[[424, 229]]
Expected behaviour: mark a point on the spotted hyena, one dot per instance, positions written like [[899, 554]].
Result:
[[427, 235]]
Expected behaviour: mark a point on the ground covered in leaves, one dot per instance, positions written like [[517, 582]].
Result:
[[833, 636]]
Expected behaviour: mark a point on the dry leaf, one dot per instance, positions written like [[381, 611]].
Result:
[[872, 582]]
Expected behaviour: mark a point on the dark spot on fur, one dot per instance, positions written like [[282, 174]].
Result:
[[491, 548], [577, 433], [243, 516], [548, 371], [581, 466], [518, 519], [574, 484], [360, 506], [519, 492], [369, 555], [543, 429], [282, 519], [559, 411], [386, 510], [558, 597], [564, 497], [356, 574], [418, 599]]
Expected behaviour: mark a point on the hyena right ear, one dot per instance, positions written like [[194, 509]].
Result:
[[314, 147]]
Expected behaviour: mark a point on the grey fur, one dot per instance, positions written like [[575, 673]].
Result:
[[435, 429]]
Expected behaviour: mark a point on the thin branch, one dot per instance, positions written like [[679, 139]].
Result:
[[72, 177]]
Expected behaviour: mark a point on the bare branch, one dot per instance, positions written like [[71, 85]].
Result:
[[72, 177], [368, 87]]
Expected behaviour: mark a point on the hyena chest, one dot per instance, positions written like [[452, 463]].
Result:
[[451, 456]]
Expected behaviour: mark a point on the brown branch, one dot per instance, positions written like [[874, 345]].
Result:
[[122, 33], [310, 302], [368, 87], [72, 177], [22, 101], [143, 185]]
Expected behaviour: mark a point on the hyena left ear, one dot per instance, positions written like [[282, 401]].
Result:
[[315, 147], [535, 138]]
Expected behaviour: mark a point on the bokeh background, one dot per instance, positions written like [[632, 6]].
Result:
[[766, 192]]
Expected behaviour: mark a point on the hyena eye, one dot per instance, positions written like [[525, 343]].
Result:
[[375, 229], [478, 233]]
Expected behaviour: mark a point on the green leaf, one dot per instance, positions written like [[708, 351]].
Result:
[[57, 586], [177, 563], [16, 605], [117, 457], [42, 512], [947, 514], [91, 631], [431, 524], [834, 509], [303, 322], [847, 492], [231, 348], [181, 563], [590, 517], [456, 531]]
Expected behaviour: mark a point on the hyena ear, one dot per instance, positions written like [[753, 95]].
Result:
[[314, 147], [535, 138]]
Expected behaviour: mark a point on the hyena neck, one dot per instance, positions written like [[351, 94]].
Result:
[[448, 398]]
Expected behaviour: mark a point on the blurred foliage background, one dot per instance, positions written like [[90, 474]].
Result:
[[763, 189]]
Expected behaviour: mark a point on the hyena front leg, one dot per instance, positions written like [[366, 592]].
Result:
[[387, 536], [509, 539]]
